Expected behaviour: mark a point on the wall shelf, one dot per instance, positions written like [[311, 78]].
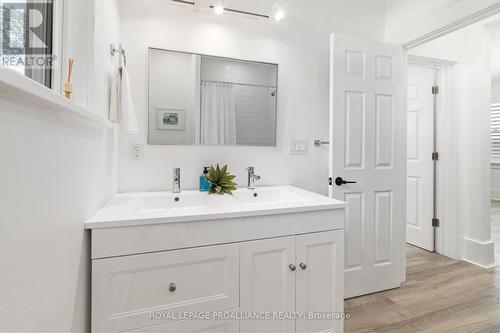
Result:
[[14, 85]]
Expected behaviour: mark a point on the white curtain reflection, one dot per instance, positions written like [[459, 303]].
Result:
[[218, 120]]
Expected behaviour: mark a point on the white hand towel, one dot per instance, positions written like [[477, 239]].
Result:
[[127, 104], [114, 98]]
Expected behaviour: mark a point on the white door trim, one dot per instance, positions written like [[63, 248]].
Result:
[[464, 22], [427, 62], [448, 234]]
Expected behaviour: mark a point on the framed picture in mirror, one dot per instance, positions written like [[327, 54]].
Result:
[[170, 119]]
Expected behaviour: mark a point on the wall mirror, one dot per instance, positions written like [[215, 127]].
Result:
[[197, 99]]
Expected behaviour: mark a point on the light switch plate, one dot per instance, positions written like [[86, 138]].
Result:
[[299, 147]]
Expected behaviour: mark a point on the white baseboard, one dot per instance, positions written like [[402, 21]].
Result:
[[479, 253]]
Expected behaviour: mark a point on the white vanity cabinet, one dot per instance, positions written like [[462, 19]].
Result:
[[288, 275], [152, 274]]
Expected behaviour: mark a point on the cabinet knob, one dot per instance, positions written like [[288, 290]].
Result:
[[292, 267], [303, 266], [172, 287]]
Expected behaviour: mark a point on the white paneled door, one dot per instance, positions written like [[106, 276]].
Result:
[[368, 147], [419, 182]]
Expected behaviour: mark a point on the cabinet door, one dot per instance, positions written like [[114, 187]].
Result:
[[267, 283], [320, 280]]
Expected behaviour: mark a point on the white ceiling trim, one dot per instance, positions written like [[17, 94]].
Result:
[[471, 19]]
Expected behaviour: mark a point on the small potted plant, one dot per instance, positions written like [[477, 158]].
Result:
[[221, 181]]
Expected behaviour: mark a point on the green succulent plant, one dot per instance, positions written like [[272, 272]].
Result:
[[221, 181]]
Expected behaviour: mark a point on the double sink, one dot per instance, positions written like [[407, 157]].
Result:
[[132, 209]]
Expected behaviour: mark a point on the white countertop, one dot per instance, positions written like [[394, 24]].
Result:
[[133, 209]]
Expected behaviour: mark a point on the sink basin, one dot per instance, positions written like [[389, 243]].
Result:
[[127, 209], [271, 196], [169, 202]]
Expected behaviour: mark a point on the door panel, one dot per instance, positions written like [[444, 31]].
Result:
[[267, 283], [383, 131], [353, 230], [383, 227], [413, 135], [320, 274], [354, 129], [420, 201], [368, 135]]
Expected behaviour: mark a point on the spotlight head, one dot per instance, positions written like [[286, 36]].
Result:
[[279, 15], [219, 10]]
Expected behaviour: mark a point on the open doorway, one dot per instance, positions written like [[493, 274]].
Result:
[[420, 187], [453, 136]]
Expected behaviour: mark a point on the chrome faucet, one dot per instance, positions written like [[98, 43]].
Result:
[[252, 177], [176, 185]]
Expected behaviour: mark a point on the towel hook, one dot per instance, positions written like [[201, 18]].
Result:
[[121, 51], [319, 143]]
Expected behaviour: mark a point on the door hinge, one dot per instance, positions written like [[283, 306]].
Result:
[[435, 90], [330, 181], [435, 156], [435, 222]]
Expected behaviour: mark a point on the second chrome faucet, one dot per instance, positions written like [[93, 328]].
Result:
[[252, 177], [176, 184]]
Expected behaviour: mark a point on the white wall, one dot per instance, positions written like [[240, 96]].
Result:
[[106, 31], [495, 97], [56, 171], [471, 49], [495, 91], [299, 44], [495, 50]]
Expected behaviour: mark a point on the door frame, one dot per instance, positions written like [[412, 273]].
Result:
[[447, 235]]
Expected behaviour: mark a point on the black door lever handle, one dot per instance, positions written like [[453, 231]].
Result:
[[339, 181]]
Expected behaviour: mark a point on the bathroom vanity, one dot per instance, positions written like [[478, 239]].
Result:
[[162, 260]]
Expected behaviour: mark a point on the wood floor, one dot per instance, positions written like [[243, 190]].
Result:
[[440, 295]]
